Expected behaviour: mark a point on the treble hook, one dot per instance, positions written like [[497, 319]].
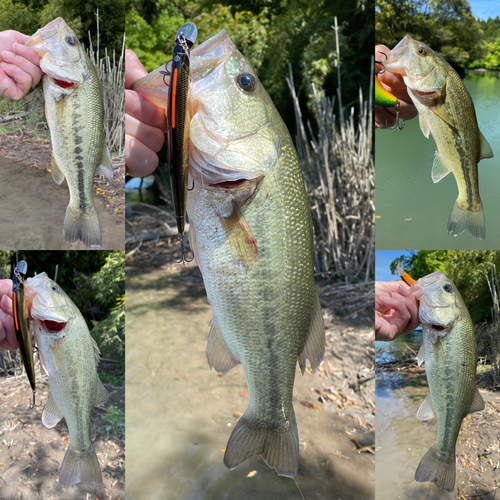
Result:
[[183, 259], [165, 73], [381, 63], [32, 404], [190, 189], [396, 125]]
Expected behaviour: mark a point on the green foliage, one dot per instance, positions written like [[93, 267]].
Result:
[[18, 16], [491, 60], [115, 422], [467, 269], [271, 34], [447, 26], [27, 16], [109, 333]]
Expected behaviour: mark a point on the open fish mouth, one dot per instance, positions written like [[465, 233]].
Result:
[[54, 326], [63, 83]]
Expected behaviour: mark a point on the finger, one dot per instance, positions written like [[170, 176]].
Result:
[[133, 68], [21, 80], [27, 66], [28, 53], [145, 111], [151, 137], [7, 332], [139, 159]]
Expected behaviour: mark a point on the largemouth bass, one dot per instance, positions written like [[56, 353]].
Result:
[[446, 111], [69, 356], [74, 109], [449, 351], [250, 229]]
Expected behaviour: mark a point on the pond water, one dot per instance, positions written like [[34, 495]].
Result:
[[401, 439], [412, 211]]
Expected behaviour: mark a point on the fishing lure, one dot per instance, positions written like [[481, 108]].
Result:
[[404, 275], [384, 98], [178, 120], [21, 325]]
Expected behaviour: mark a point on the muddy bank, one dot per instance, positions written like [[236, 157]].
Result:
[[31, 454], [32, 208], [402, 440], [180, 414]]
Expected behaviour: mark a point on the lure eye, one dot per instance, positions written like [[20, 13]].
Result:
[[70, 40], [448, 288], [246, 82], [421, 51]]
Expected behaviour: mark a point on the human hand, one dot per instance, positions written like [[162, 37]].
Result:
[[19, 65], [394, 83], [145, 123], [396, 310], [8, 338]]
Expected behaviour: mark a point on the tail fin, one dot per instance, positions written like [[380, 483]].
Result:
[[278, 447], [436, 470], [80, 466], [82, 226], [460, 220]]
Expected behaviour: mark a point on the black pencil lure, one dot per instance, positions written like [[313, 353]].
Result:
[[178, 120], [21, 324]]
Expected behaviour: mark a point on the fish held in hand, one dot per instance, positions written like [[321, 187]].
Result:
[[69, 356], [74, 109], [446, 111], [449, 352], [251, 235]]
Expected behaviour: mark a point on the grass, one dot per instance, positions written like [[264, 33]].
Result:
[[115, 423]]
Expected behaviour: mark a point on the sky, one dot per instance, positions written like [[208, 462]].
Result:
[[383, 259], [483, 9]]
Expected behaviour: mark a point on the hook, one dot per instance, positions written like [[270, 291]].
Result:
[[396, 125], [183, 259], [166, 72], [190, 189], [382, 63], [33, 405]]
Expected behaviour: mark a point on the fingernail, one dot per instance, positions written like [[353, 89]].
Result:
[[132, 101], [7, 56]]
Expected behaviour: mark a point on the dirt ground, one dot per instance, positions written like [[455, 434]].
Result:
[[32, 205], [478, 445], [180, 413], [31, 454]]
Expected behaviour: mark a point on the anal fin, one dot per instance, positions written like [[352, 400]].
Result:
[[314, 348], [102, 394], [486, 151], [218, 354], [51, 413], [439, 169], [426, 410], [106, 164], [57, 174], [477, 403]]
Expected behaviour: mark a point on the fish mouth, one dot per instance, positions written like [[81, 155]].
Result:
[[230, 184], [54, 326], [438, 328], [63, 83]]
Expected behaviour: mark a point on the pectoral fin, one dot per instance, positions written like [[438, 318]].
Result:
[[477, 403], [57, 175], [439, 169], [240, 237], [486, 151], [218, 354], [444, 115], [51, 413], [426, 410]]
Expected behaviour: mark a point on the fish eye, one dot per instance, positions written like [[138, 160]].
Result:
[[246, 82], [56, 289], [70, 40], [448, 288], [421, 51]]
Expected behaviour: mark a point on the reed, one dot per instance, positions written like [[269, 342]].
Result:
[[493, 328]]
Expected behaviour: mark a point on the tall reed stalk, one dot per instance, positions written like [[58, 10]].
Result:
[[339, 171], [111, 75], [494, 328]]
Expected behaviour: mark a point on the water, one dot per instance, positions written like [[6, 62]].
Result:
[[405, 189], [401, 439]]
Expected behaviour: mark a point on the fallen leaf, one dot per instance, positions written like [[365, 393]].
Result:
[[252, 474]]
